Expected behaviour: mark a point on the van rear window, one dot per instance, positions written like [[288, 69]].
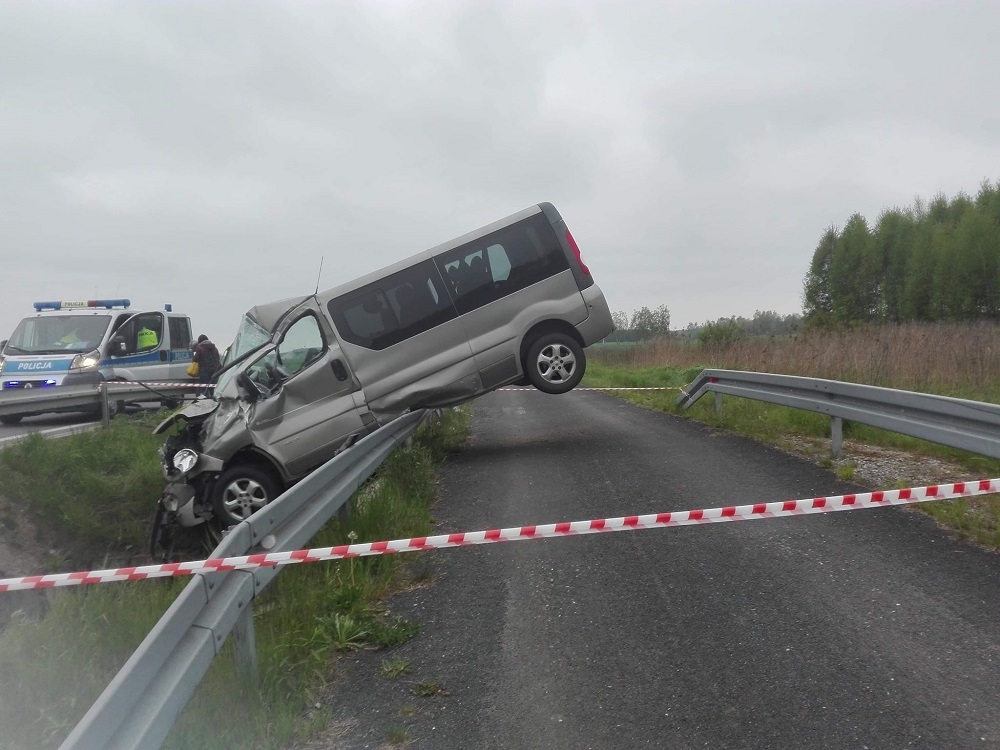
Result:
[[502, 263], [392, 309]]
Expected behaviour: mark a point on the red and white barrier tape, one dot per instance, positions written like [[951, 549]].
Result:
[[518, 533]]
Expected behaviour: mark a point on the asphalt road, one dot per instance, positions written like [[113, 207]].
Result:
[[865, 629], [52, 425], [57, 424]]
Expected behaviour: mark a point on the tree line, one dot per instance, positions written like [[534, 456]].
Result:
[[936, 261], [724, 331], [645, 324], [642, 325]]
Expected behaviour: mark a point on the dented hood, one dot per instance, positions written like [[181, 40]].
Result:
[[193, 412]]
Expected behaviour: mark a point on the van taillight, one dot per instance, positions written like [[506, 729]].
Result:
[[576, 252]]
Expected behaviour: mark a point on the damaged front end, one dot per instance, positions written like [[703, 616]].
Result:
[[188, 473]]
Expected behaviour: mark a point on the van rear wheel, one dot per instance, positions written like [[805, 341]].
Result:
[[555, 363], [240, 491]]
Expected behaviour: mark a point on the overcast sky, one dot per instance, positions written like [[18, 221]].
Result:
[[208, 154]]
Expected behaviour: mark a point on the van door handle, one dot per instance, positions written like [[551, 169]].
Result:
[[163, 355], [338, 369]]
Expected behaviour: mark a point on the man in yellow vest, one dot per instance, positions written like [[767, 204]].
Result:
[[147, 339]]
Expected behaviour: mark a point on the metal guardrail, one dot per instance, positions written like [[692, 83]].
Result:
[[74, 397], [142, 702], [958, 423]]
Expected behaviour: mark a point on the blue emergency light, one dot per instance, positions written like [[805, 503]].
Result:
[[82, 304]]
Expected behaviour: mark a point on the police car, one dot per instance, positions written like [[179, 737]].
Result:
[[86, 342]]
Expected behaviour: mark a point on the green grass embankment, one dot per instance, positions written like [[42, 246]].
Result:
[[52, 670]]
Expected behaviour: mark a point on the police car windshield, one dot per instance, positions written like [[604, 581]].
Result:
[[57, 334]]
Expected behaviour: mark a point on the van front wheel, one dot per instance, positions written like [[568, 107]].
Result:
[[240, 491], [555, 363]]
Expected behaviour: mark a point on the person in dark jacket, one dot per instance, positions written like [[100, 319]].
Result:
[[206, 354]]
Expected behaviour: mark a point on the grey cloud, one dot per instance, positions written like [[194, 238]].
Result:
[[211, 153]]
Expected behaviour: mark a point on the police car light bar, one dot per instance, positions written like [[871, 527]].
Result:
[[82, 304]]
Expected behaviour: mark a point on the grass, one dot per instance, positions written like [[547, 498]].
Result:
[[846, 472], [393, 668], [951, 360], [429, 689], [91, 495], [397, 736], [52, 670]]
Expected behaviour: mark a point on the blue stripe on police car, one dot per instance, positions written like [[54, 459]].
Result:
[[38, 365]]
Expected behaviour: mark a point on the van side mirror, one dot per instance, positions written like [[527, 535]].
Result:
[[118, 347]]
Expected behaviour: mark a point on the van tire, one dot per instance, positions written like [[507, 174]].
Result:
[[11, 419], [555, 363], [240, 491]]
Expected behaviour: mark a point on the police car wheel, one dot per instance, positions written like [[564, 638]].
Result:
[[240, 491], [10, 419], [98, 412]]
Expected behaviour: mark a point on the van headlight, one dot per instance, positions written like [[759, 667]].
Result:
[[86, 361], [184, 460]]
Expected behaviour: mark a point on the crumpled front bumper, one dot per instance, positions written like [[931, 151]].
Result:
[[179, 500]]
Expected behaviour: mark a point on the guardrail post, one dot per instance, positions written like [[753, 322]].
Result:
[[105, 409], [245, 645], [836, 437], [718, 404]]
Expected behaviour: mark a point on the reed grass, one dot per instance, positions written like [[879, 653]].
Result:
[[951, 359]]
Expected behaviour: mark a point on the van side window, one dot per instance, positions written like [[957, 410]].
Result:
[[393, 309], [502, 263]]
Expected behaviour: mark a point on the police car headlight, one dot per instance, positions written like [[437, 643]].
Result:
[[185, 459], [85, 361]]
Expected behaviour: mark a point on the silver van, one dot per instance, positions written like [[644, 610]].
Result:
[[511, 303]]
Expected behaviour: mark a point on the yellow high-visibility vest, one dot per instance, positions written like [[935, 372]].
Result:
[[147, 338]]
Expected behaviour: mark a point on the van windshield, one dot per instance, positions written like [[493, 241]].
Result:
[[59, 333], [249, 338]]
